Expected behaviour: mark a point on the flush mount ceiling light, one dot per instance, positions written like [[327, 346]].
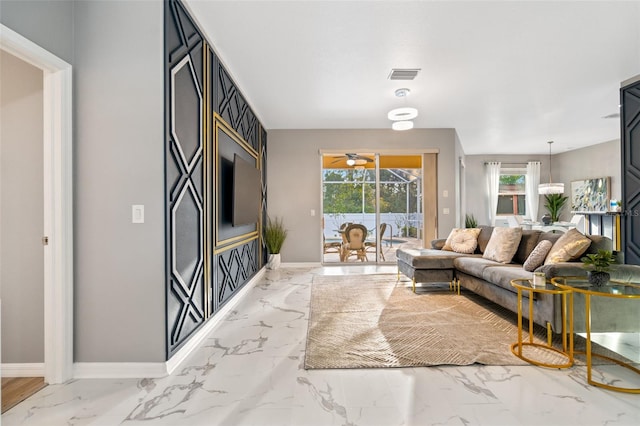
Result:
[[406, 113], [402, 125], [401, 116], [551, 187]]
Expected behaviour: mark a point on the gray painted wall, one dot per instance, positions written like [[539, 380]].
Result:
[[45, 22], [21, 211], [590, 162], [119, 161], [594, 161], [116, 51], [293, 167]]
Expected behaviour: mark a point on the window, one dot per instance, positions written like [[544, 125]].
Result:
[[511, 192]]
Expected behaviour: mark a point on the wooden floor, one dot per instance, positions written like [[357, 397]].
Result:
[[17, 389]]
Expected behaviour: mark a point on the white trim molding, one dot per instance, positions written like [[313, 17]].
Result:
[[58, 202], [34, 369]]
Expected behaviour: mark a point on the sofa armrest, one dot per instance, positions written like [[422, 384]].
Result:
[[437, 244], [563, 269]]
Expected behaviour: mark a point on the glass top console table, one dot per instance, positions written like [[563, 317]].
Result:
[[526, 285], [613, 289]]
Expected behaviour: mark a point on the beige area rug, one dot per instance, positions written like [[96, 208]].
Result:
[[367, 321]]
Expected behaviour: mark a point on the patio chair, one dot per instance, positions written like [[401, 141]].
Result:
[[334, 246], [331, 246], [355, 235], [372, 244]]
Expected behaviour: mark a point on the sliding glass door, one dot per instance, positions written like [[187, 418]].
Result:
[[372, 205]]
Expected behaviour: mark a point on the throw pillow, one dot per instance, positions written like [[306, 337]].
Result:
[[537, 256], [569, 246], [447, 244], [503, 244], [465, 241]]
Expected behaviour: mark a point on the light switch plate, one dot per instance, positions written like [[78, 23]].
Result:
[[137, 213]]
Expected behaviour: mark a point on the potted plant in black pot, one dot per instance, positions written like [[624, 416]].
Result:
[[274, 236], [598, 265]]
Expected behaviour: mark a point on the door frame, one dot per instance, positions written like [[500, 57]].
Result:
[[429, 193], [58, 202]]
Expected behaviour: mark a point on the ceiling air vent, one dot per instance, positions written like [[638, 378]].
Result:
[[403, 73]]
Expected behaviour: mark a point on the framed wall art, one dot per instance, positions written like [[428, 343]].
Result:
[[590, 195]]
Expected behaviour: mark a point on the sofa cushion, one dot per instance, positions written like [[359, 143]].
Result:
[[570, 246], [503, 244], [503, 274], [465, 242], [599, 242], [459, 235], [473, 265], [537, 256], [484, 237], [528, 242], [550, 236], [428, 258]]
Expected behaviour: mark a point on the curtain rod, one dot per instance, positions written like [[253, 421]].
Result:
[[512, 164]]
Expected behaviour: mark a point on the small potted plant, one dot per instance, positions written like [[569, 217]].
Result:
[[598, 265], [470, 221], [274, 236], [554, 204]]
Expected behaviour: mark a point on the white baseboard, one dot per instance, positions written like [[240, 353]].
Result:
[[35, 369], [130, 370], [119, 370], [301, 265]]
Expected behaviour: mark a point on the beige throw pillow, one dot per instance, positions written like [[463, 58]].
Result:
[[447, 244], [537, 256], [465, 241], [453, 235], [503, 244], [569, 246]]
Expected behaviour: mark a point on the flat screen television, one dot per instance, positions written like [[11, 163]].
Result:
[[247, 192]]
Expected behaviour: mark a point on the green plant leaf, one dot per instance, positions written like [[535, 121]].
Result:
[[274, 235]]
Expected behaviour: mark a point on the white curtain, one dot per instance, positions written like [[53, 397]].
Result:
[[493, 185], [532, 180]]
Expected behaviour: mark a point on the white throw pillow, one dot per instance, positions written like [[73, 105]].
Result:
[[460, 231], [503, 244], [465, 241]]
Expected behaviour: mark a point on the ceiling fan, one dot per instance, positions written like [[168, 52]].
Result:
[[354, 159]]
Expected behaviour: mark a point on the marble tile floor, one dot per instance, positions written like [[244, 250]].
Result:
[[249, 371]]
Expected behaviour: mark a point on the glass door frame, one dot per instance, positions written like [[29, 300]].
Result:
[[429, 215]]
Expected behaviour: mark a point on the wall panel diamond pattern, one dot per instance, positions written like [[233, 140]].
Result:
[[184, 80], [631, 172], [202, 275]]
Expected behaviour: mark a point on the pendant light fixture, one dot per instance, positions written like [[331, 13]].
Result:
[[551, 187], [402, 117]]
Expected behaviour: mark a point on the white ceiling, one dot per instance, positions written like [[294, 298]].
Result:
[[508, 76]]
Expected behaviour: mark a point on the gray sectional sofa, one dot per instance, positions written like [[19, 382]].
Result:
[[492, 280]]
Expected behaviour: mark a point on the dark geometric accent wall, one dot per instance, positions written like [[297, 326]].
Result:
[[234, 109], [201, 273], [184, 111], [263, 159], [630, 139]]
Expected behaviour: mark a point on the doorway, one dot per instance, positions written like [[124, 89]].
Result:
[[58, 216], [377, 195]]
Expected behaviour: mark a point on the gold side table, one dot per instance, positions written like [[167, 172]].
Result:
[[614, 289], [567, 349]]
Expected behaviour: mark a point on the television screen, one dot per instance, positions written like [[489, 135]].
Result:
[[247, 192]]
